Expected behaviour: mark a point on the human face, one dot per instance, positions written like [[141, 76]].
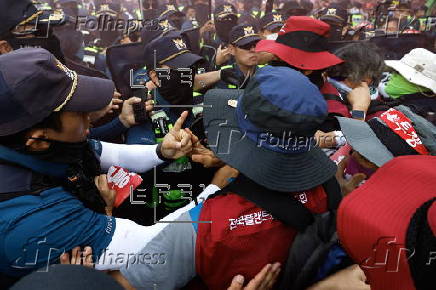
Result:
[[245, 55], [74, 129], [190, 13]]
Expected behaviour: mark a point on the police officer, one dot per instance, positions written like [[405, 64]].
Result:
[[337, 17], [242, 43], [23, 25], [52, 196], [172, 13], [293, 8], [215, 34], [270, 25], [12, 13]]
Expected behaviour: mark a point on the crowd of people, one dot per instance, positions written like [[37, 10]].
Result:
[[218, 144]]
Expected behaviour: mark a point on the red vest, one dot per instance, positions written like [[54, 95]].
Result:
[[243, 238], [334, 104]]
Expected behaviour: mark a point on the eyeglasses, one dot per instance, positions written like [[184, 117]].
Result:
[[248, 46]]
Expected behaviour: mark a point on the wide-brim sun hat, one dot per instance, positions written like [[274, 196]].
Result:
[[241, 129], [302, 43], [418, 67]]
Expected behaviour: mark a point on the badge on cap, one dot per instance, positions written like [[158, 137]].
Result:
[[248, 30], [180, 44], [277, 17], [171, 8], [227, 9], [331, 11], [165, 25], [232, 103]]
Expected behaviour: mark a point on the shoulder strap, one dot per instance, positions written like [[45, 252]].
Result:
[[280, 205], [48, 168]]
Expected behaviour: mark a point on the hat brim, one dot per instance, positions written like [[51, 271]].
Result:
[[183, 60], [360, 136], [171, 13], [274, 26], [275, 171], [221, 16], [247, 40], [333, 18], [373, 220], [92, 94], [412, 75], [299, 58]]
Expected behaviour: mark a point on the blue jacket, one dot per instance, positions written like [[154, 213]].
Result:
[[37, 227]]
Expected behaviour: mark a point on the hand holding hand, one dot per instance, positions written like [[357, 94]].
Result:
[[177, 143]]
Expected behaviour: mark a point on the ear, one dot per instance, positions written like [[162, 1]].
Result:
[[5, 47], [37, 145]]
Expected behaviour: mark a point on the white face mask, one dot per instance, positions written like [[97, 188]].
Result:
[[272, 36]]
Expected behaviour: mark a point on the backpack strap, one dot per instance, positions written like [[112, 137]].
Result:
[[279, 204]]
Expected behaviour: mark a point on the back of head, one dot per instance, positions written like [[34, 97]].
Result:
[[362, 60]]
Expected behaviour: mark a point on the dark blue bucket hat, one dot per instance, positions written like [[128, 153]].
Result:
[[266, 132]]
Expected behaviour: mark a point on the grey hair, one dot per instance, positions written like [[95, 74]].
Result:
[[362, 60]]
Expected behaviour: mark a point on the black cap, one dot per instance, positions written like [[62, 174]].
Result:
[[171, 50], [33, 84], [243, 34], [169, 9], [67, 277], [13, 12], [66, 1], [292, 8], [224, 10], [156, 28], [109, 9], [335, 13], [271, 21]]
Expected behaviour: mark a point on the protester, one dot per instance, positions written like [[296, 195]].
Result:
[[413, 81], [221, 158], [258, 189], [388, 226], [354, 94], [397, 132], [311, 56]]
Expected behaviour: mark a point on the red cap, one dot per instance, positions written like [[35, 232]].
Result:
[[373, 221], [302, 43]]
